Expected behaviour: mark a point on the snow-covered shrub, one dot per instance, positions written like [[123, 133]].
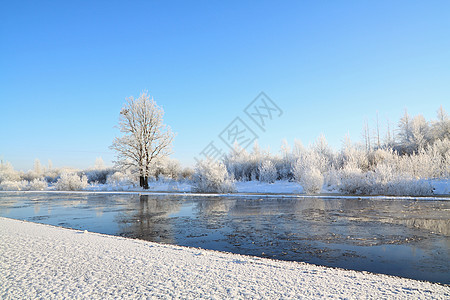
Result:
[[38, 185], [332, 179], [267, 172], [446, 166], [211, 176], [353, 180], [244, 166], [353, 155], [407, 187], [187, 173], [7, 172], [311, 180], [307, 173], [381, 156], [384, 180], [98, 175], [30, 176], [71, 182], [119, 179], [172, 169], [14, 185], [165, 168]]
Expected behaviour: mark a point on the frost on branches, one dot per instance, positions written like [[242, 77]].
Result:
[[267, 172], [71, 182], [211, 177], [144, 137]]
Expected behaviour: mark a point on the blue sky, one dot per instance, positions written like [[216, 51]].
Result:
[[66, 68]]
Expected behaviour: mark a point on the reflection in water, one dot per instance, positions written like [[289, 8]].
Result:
[[399, 237], [148, 219]]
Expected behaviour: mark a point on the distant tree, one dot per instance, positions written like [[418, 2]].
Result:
[[419, 130], [404, 127], [99, 164], [37, 167], [145, 137], [441, 127]]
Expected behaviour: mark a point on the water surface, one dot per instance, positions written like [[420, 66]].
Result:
[[408, 238]]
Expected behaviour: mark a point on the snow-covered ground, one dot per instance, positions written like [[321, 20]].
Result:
[[280, 187], [441, 186], [41, 261]]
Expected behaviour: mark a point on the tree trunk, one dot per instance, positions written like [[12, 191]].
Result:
[[145, 183]]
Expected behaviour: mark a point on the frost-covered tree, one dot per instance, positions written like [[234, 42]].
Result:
[[413, 134], [37, 167], [404, 129], [166, 168], [440, 129], [419, 130], [267, 172], [99, 164], [145, 137], [238, 163], [7, 172]]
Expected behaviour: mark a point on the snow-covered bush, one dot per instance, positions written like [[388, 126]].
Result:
[[7, 172], [407, 187], [71, 182], [121, 179], [352, 180], [38, 185], [306, 172], [172, 169], [244, 166], [332, 179], [267, 172], [8, 185], [384, 180], [353, 155], [187, 173], [212, 177], [311, 180], [98, 175]]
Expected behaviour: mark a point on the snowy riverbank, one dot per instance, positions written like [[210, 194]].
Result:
[[41, 261], [441, 187]]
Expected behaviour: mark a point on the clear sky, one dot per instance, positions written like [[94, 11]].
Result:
[[66, 68]]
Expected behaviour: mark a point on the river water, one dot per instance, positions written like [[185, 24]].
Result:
[[407, 238]]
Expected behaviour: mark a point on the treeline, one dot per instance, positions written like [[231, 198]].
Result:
[[42, 177], [401, 165]]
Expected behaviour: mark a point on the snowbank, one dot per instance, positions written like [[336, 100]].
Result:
[[441, 186], [41, 261], [278, 187]]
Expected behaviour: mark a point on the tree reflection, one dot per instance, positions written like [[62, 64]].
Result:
[[149, 218]]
